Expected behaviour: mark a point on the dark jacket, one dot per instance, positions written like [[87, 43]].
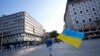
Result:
[[49, 42]]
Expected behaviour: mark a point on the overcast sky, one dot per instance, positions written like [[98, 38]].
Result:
[[49, 13]]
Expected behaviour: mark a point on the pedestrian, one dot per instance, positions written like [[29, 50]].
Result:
[[49, 43]]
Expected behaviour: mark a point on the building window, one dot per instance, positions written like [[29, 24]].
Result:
[[99, 7], [75, 13], [86, 30], [92, 29], [77, 22], [93, 9], [73, 8], [94, 13], [99, 2], [80, 11], [98, 28], [72, 4], [96, 18], [92, 4], [80, 30], [87, 10], [83, 20], [89, 20]]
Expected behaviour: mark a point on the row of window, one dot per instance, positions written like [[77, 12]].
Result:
[[87, 1], [10, 18], [85, 21], [29, 34], [86, 11], [31, 20], [14, 35], [12, 32], [17, 35], [36, 32], [11, 27], [91, 29], [7, 23], [32, 23]]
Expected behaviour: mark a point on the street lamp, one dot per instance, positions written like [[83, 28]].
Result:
[[34, 35]]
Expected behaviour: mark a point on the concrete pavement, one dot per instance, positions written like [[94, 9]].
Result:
[[88, 48]]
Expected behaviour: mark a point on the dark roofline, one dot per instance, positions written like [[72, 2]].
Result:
[[12, 14]]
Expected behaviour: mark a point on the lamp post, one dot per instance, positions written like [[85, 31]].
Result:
[[34, 35]]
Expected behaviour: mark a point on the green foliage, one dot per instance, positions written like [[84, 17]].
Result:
[[53, 34]]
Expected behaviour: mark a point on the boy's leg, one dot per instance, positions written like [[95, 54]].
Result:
[[50, 50]]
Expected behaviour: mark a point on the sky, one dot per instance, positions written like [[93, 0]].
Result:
[[49, 13]]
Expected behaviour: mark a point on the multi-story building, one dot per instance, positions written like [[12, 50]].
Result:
[[20, 27], [83, 15]]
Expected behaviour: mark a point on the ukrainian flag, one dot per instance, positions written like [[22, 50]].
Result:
[[71, 37]]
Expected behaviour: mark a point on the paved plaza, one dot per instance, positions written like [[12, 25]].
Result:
[[88, 48]]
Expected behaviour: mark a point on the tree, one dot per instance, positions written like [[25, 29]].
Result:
[[54, 35]]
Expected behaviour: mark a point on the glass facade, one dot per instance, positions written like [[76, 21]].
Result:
[[20, 27]]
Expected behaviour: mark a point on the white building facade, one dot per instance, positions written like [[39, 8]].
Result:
[[20, 27], [83, 15]]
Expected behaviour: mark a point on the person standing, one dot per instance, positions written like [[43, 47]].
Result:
[[49, 43]]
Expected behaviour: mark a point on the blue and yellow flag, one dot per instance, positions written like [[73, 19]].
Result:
[[71, 37]]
